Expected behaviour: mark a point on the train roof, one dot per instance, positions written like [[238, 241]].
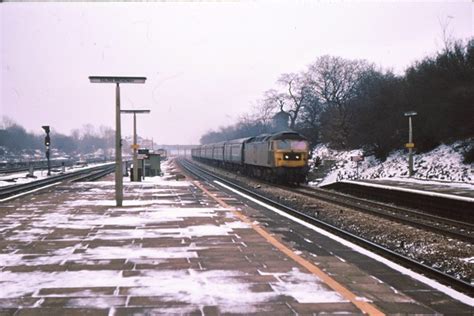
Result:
[[261, 138], [278, 136], [288, 135], [239, 140]]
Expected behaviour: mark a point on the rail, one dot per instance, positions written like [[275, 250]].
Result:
[[7, 192]]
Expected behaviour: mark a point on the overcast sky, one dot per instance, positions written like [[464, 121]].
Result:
[[206, 63]]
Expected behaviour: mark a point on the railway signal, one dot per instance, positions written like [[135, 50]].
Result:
[[47, 140], [47, 143]]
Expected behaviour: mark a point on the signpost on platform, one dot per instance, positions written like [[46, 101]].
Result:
[[410, 145], [357, 159], [135, 145], [143, 155], [118, 137]]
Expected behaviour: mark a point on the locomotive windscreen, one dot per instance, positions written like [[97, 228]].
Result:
[[291, 144]]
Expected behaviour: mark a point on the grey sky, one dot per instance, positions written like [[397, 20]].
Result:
[[206, 63]]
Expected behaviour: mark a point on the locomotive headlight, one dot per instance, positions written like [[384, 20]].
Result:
[[287, 157], [297, 157]]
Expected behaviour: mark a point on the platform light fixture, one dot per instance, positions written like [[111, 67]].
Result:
[[135, 145], [118, 138], [410, 145]]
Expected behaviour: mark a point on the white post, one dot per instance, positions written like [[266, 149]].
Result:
[[410, 150]]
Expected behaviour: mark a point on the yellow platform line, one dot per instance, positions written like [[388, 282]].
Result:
[[365, 307]]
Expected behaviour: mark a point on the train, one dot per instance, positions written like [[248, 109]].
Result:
[[280, 157]]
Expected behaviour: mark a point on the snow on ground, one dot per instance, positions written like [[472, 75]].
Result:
[[441, 165], [211, 287], [138, 220], [21, 177]]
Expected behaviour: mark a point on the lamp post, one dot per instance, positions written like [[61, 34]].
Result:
[[410, 145], [135, 145], [118, 140]]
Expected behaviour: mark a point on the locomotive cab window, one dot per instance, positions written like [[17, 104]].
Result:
[[291, 144]]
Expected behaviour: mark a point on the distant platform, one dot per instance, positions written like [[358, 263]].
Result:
[[456, 191]]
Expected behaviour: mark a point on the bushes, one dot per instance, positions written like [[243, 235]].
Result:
[[469, 156]]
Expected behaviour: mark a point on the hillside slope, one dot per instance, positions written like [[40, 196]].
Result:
[[443, 164]]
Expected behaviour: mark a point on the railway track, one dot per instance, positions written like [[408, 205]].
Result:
[[410, 263], [42, 165], [437, 224], [6, 171], [459, 209], [93, 173]]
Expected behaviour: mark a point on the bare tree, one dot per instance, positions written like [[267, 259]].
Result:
[[297, 91], [309, 121], [446, 34], [274, 100], [7, 122], [263, 112], [334, 81]]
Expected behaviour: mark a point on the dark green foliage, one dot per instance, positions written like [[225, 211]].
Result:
[[469, 156], [15, 139], [65, 143], [239, 130], [378, 124], [441, 89]]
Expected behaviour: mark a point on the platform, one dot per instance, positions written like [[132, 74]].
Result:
[[184, 247], [446, 190]]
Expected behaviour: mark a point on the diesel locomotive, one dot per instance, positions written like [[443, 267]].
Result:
[[279, 157]]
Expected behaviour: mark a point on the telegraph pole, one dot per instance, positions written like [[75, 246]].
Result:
[[118, 137]]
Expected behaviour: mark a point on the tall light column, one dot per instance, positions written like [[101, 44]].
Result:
[[135, 145], [410, 145], [118, 137]]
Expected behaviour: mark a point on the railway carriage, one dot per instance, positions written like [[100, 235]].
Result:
[[234, 153], [206, 152], [218, 153]]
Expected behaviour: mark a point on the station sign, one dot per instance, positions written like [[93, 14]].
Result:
[[410, 145], [357, 158], [111, 79]]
